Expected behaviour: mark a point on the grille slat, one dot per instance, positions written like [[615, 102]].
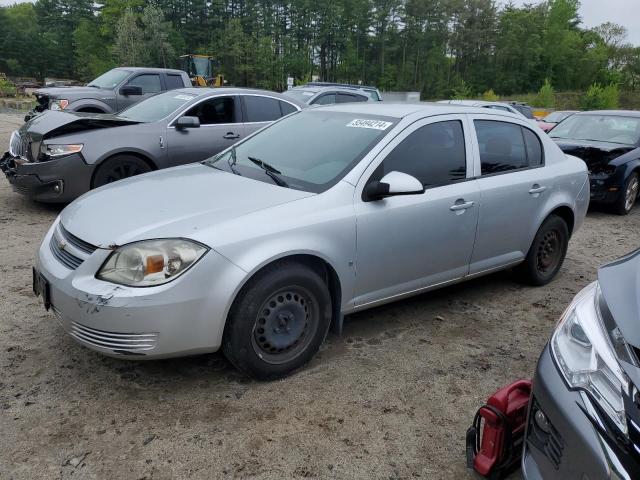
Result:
[[120, 342], [80, 244], [71, 259], [67, 259]]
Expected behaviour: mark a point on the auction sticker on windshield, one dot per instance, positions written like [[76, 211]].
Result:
[[375, 124]]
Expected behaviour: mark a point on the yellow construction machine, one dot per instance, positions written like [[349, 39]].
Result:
[[200, 69]]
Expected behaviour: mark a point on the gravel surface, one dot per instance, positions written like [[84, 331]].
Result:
[[391, 398]]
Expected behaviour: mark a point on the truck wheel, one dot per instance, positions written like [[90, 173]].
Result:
[[628, 195], [546, 253], [119, 167], [278, 321]]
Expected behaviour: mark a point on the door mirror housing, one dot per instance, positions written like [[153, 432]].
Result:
[[128, 90], [187, 122], [392, 184]]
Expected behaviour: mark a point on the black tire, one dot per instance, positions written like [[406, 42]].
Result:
[[547, 252], [117, 168], [278, 321], [90, 110], [628, 195]]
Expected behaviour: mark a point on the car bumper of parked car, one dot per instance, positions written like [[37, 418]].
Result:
[[571, 447], [604, 188], [56, 181], [183, 317]]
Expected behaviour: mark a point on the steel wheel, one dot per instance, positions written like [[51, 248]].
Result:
[[631, 193], [549, 251], [285, 325]]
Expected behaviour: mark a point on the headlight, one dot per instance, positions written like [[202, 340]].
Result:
[[59, 104], [60, 150], [150, 262], [587, 349]]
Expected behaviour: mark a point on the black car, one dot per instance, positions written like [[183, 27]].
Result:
[[584, 412], [608, 142]]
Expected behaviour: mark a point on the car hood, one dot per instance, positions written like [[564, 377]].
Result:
[[72, 92], [186, 201], [620, 286], [595, 154]]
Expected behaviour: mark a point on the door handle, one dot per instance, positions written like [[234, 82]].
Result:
[[535, 189], [461, 205], [231, 136]]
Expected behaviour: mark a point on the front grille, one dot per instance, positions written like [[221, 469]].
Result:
[[67, 259], [80, 244], [15, 145], [124, 343]]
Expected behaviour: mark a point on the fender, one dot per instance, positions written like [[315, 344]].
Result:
[[89, 103], [129, 149]]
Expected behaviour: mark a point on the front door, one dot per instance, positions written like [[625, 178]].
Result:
[[148, 82], [407, 243], [220, 127]]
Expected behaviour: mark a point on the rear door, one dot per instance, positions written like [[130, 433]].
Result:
[[150, 83], [514, 185], [220, 127]]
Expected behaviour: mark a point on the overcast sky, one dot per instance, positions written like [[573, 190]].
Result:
[[593, 12]]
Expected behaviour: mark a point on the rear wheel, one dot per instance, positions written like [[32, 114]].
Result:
[[278, 321], [628, 195], [117, 168], [547, 252]]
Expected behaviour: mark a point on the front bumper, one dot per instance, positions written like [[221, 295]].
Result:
[[605, 188], [183, 317], [573, 448], [56, 181]]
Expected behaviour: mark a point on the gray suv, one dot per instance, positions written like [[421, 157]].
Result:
[[328, 94], [110, 92]]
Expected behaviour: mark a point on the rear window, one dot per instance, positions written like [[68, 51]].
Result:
[[261, 109], [174, 81]]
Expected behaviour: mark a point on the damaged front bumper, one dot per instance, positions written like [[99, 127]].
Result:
[[56, 181]]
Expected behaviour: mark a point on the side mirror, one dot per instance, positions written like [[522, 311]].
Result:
[[130, 90], [187, 122], [392, 184]]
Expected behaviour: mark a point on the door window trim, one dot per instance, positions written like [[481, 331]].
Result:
[[391, 145], [479, 175]]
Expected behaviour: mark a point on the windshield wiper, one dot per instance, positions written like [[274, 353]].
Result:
[[270, 171], [92, 85], [232, 161]]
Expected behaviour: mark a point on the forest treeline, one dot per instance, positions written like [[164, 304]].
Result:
[[437, 47]]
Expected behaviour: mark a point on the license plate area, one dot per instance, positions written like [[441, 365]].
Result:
[[41, 288]]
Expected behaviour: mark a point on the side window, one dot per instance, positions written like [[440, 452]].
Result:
[[534, 148], [261, 109], [348, 98], [214, 111], [286, 108], [149, 82], [174, 81], [501, 146], [326, 99], [434, 154]]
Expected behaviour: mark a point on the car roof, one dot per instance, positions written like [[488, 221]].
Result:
[[202, 91], [149, 69], [400, 110], [613, 113], [331, 88]]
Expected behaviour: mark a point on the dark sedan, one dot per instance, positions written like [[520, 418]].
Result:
[[57, 156], [584, 413], [608, 142]]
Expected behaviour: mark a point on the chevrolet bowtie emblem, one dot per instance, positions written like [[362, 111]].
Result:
[[61, 244]]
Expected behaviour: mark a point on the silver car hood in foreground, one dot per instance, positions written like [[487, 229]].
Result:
[[174, 202]]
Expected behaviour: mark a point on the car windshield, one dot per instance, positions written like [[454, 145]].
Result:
[[557, 117], [109, 80], [599, 128], [311, 150], [157, 107], [300, 94]]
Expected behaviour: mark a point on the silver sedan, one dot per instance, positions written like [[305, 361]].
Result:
[[262, 248]]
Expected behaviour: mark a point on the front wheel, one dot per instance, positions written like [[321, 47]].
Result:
[[628, 195], [546, 253], [278, 321], [117, 168]]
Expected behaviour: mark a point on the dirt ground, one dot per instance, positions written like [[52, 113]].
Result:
[[391, 398]]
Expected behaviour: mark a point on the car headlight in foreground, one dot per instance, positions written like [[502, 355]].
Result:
[[54, 151], [150, 262], [587, 346]]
